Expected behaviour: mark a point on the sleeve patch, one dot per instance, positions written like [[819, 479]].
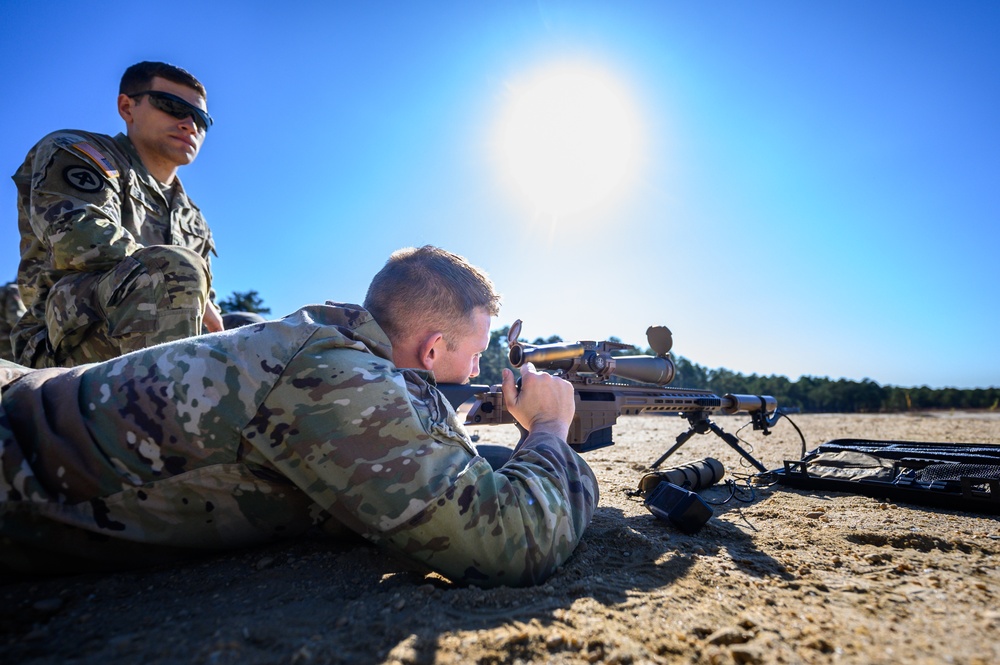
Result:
[[95, 156], [83, 178]]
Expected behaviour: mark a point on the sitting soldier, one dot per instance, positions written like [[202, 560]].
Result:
[[114, 256]]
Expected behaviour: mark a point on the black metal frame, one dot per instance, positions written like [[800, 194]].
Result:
[[969, 493]]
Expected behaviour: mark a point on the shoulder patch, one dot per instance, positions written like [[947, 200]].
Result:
[[83, 178], [94, 155]]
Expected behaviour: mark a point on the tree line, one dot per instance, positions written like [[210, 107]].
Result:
[[807, 394], [822, 394]]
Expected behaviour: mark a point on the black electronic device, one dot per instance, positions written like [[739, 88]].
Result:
[[685, 510]]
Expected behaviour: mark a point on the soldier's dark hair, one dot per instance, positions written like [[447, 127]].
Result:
[[139, 77], [429, 288]]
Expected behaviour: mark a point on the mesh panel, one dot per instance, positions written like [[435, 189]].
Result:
[[958, 471]]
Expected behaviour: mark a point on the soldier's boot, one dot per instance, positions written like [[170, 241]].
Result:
[[156, 295]]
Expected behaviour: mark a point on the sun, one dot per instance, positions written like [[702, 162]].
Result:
[[569, 139]]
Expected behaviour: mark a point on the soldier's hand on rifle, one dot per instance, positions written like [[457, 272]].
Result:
[[545, 403]]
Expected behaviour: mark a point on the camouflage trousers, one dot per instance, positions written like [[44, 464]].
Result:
[[11, 309], [155, 295], [6, 348]]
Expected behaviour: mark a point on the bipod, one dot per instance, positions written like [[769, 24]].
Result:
[[701, 424]]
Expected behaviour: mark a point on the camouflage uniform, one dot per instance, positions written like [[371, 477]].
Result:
[[11, 309], [108, 264], [262, 432]]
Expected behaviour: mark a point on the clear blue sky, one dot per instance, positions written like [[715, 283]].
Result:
[[809, 187]]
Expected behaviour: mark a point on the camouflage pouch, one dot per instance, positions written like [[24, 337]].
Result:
[[850, 465]]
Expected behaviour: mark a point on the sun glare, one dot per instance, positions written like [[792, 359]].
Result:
[[569, 139]]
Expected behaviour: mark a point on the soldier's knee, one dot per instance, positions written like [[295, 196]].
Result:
[[181, 269]]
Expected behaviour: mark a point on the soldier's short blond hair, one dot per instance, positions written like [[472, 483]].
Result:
[[427, 288]]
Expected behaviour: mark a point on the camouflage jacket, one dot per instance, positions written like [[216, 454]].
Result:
[[85, 202], [261, 432]]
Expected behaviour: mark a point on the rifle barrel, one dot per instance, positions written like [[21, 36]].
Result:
[[750, 403]]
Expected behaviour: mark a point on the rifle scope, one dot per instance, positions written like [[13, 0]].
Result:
[[588, 357]]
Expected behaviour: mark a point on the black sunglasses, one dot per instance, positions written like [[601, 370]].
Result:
[[177, 107]]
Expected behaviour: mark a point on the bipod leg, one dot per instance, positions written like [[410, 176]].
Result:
[[735, 445], [698, 426]]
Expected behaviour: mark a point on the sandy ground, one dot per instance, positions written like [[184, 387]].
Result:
[[787, 576]]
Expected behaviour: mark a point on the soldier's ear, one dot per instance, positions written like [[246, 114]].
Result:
[[429, 350], [125, 104]]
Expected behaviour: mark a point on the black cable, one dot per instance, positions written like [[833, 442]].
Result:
[[802, 436], [734, 487]]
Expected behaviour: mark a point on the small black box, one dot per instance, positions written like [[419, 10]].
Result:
[[685, 510]]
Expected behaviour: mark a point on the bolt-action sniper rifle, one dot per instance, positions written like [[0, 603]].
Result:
[[601, 398]]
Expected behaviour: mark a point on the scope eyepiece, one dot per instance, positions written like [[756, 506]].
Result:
[[546, 356]]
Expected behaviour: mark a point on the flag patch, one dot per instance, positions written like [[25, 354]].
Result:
[[95, 156]]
